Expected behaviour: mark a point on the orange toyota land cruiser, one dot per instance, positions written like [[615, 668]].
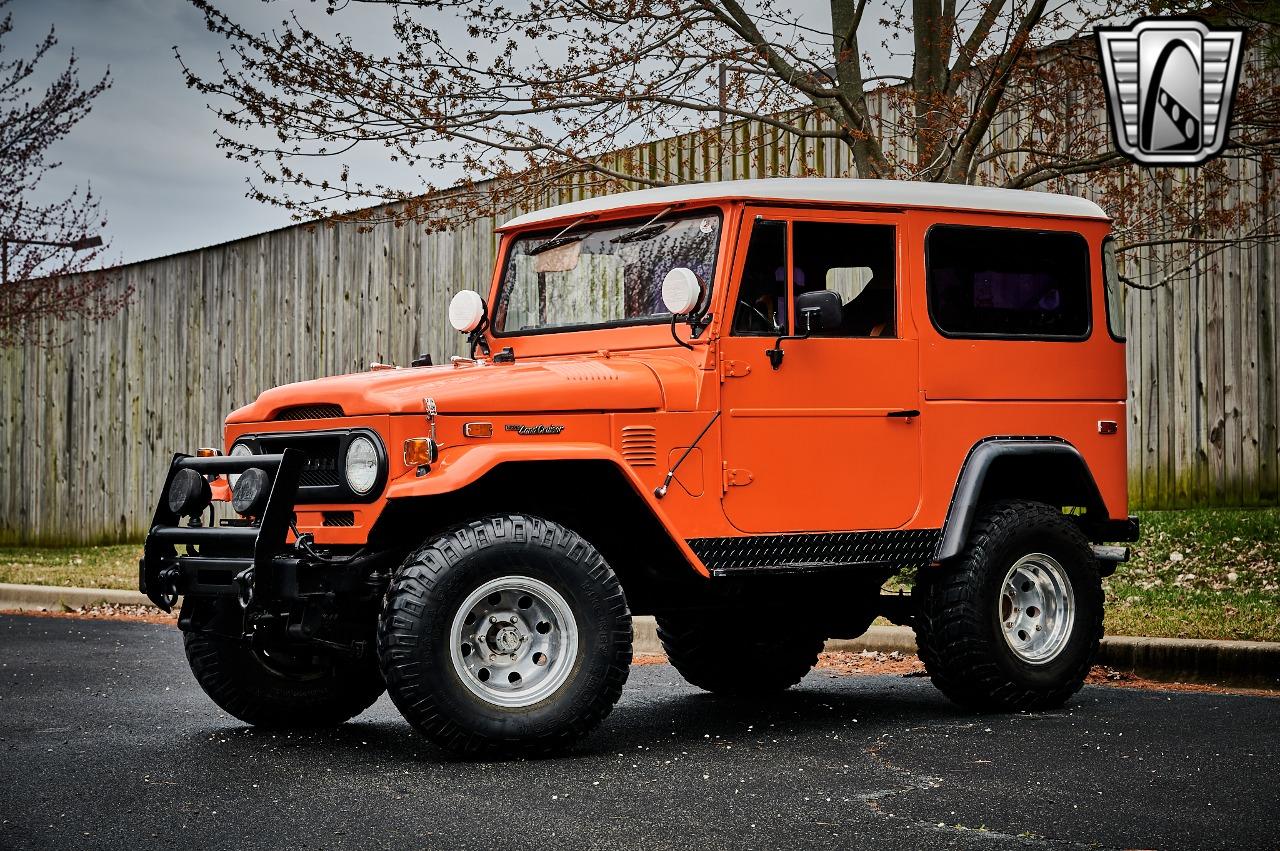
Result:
[[740, 407]]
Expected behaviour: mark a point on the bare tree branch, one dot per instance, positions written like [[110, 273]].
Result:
[[42, 278]]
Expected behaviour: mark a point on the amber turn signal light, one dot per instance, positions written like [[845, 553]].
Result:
[[207, 452], [478, 429], [419, 451]]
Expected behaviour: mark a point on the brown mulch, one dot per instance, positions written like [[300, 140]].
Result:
[[1101, 675], [108, 612], [847, 663]]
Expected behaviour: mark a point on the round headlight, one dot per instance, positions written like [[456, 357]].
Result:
[[238, 449], [361, 464], [188, 493], [249, 493]]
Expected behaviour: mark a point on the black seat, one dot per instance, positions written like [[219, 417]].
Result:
[[870, 313]]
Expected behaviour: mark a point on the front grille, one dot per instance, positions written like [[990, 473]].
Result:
[[339, 518], [319, 472], [322, 478], [319, 479], [310, 412]]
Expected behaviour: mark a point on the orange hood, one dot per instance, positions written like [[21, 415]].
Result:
[[562, 384]]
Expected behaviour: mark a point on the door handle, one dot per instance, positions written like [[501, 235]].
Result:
[[906, 415]]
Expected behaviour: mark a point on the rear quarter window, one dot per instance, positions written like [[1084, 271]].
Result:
[[1008, 283]]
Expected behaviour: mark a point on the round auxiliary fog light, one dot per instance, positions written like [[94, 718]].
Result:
[[466, 310], [681, 291], [249, 493], [189, 493]]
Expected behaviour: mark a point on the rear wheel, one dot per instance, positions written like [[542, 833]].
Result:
[[1015, 621], [726, 652], [507, 635], [282, 687]]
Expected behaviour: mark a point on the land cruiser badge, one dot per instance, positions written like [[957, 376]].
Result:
[[535, 429]]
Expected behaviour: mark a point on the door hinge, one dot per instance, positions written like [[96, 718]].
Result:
[[736, 477], [734, 369]]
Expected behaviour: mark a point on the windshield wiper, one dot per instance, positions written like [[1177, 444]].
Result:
[[646, 230], [562, 238]]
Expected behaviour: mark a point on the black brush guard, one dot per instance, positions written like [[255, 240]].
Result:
[[248, 561]]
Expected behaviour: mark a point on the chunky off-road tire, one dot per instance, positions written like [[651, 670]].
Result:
[[983, 617], [276, 689], [507, 635], [727, 653]]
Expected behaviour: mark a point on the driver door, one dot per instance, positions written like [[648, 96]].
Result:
[[825, 441]]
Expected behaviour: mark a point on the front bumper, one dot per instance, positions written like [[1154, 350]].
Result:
[[250, 561]]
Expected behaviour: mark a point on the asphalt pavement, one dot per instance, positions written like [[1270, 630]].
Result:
[[107, 742]]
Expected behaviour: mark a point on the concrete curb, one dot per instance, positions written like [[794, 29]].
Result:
[[1243, 663], [54, 598]]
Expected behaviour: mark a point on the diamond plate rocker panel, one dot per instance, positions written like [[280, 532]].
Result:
[[801, 553]]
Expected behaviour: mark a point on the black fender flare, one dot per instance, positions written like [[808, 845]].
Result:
[[973, 475]]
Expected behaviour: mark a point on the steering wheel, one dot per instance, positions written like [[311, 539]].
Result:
[[766, 324]]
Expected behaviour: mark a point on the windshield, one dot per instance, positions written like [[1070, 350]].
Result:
[[603, 275]]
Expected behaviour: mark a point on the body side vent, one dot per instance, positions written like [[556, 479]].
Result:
[[640, 445]]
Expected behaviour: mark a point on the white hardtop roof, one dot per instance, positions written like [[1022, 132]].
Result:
[[839, 190]]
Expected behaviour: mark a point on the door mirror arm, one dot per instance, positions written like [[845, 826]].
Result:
[[775, 354], [819, 310]]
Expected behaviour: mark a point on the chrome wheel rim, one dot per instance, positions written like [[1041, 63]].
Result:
[[513, 641], [1037, 608]]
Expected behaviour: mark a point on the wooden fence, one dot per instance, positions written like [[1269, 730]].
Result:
[[87, 428]]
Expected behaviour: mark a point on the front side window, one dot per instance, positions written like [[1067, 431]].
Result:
[[857, 262], [854, 260], [602, 275], [1002, 282]]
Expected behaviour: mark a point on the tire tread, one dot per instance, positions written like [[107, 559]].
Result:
[[956, 649]]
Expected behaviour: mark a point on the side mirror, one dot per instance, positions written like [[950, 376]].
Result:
[[820, 310]]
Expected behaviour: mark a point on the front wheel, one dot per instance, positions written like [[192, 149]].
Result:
[[284, 686], [1015, 621], [507, 635]]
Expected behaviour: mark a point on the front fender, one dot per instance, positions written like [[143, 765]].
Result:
[[464, 465]]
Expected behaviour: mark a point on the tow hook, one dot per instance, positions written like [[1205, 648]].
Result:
[[244, 587], [167, 579]]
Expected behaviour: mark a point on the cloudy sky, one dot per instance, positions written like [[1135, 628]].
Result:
[[147, 148]]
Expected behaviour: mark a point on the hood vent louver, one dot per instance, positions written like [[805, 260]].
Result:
[[640, 445], [310, 412]]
